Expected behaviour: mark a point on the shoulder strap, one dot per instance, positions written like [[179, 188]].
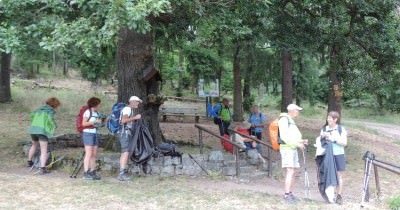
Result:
[[340, 129], [288, 121]]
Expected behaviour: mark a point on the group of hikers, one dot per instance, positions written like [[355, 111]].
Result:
[[330, 144], [43, 126], [330, 154]]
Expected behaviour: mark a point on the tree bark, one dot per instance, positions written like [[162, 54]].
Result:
[[237, 89], [135, 52], [335, 94], [5, 89], [299, 82], [65, 68], [220, 69], [287, 79]]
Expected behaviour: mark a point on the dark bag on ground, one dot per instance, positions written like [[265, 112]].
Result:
[[141, 146], [166, 149]]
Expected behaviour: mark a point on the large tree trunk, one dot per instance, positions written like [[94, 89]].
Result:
[[237, 87], [179, 92], [287, 79], [135, 53], [335, 94], [5, 90]]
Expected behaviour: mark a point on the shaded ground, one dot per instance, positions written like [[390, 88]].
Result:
[[19, 189]]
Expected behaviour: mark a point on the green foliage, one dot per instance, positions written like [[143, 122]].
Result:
[[394, 203]]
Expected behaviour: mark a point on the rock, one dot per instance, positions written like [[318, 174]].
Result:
[[216, 156]]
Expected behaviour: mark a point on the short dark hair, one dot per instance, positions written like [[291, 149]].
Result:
[[93, 102], [53, 102], [334, 115]]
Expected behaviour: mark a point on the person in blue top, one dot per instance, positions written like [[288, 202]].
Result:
[[222, 116], [257, 121]]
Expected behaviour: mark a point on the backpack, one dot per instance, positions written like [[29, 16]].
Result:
[[274, 135], [114, 124], [166, 149], [217, 120], [339, 128], [79, 119]]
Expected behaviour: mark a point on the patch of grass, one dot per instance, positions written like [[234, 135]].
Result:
[[394, 203]]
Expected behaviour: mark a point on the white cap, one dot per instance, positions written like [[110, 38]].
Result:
[[135, 98], [292, 107]]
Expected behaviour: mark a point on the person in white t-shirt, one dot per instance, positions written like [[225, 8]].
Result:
[[90, 138], [127, 119]]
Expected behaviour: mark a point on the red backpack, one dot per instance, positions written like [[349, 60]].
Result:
[[79, 119]]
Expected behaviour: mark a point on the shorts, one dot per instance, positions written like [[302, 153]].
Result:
[[340, 162], [290, 158], [124, 137], [39, 137], [90, 139]]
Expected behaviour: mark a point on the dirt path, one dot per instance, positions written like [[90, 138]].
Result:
[[389, 130]]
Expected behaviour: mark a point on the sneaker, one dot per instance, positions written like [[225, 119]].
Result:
[[94, 175], [290, 199], [43, 171], [87, 176], [123, 176], [29, 164], [339, 199]]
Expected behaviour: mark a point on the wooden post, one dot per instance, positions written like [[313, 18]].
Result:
[[269, 162], [377, 182], [201, 141], [237, 157]]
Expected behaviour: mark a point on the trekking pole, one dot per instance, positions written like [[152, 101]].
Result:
[[368, 161], [306, 178], [78, 166], [202, 168], [51, 164]]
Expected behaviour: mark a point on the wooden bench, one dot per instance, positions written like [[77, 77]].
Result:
[[181, 112]]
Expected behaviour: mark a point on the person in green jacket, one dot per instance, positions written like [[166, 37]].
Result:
[[42, 128]]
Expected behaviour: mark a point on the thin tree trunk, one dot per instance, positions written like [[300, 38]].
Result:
[[287, 79], [335, 94], [5, 89], [299, 82], [237, 89], [65, 68], [220, 69], [134, 54], [180, 66]]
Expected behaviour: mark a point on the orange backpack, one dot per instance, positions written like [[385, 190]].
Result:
[[274, 134]]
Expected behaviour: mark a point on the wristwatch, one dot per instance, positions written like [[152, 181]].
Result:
[[334, 142]]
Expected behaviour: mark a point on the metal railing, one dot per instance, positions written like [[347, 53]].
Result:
[[235, 145], [370, 160], [263, 143]]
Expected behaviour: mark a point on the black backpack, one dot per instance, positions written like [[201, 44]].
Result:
[[166, 149]]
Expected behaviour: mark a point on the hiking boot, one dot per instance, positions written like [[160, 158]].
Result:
[[43, 171], [124, 176], [94, 175], [339, 199], [290, 199], [29, 164], [87, 176], [146, 169]]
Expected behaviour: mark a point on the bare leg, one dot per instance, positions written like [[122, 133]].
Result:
[[289, 180], [43, 153], [92, 164], [340, 186], [32, 150], [124, 160], [88, 156]]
